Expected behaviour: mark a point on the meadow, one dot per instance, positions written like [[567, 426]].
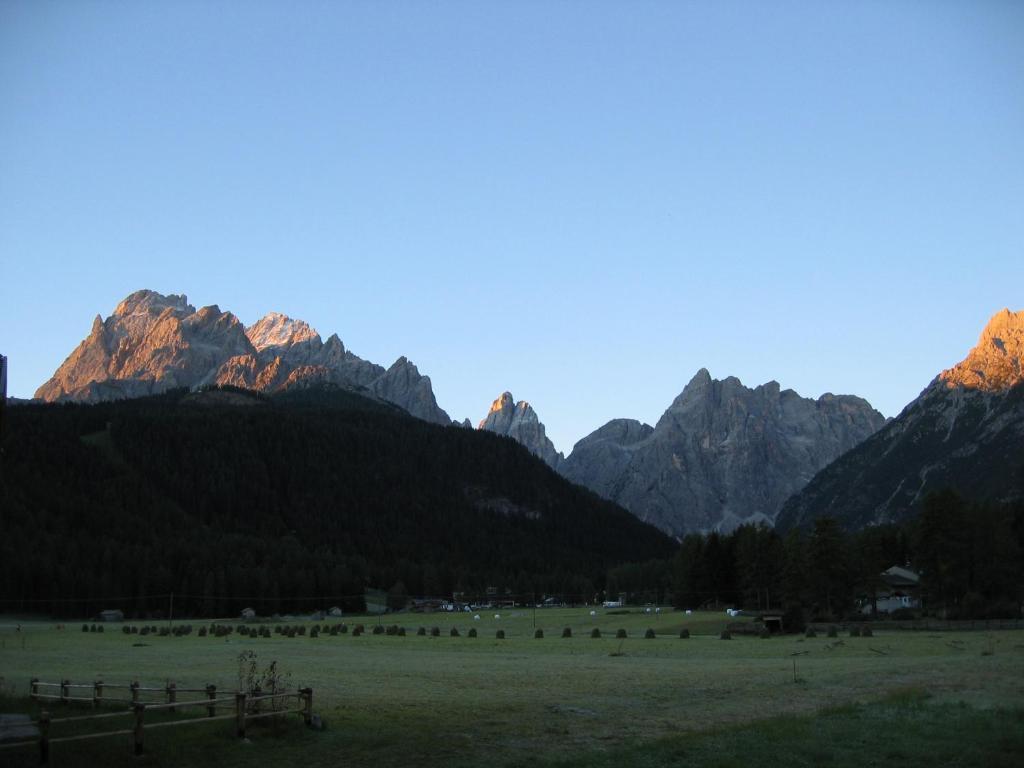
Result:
[[392, 700]]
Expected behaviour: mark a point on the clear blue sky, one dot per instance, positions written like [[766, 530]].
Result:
[[582, 203]]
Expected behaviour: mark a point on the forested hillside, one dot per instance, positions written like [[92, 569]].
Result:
[[229, 499]]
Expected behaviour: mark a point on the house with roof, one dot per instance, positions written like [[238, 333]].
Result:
[[899, 587]]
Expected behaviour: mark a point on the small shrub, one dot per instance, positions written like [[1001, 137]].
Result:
[[126, 629], [135, 630], [85, 627], [333, 631], [343, 629], [833, 630], [435, 631], [392, 630], [472, 632], [595, 632], [202, 631], [499, 635], [144, 631], [726, 635], [301, 631], [277, 630], [684, 634], [378, 630], [810, 632], [867, 632], [649, 634], [854, 631], [538, 634], [401, 631], [620, 634], [421, 631], [567, 632], [357, 630], [314, 632], [454, 632]]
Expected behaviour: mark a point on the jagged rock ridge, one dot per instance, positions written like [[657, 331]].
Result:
[[721, 455], [153, 342], [964, 431], [519, 421]]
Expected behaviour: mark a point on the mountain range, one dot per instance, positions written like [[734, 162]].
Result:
[[721, 455], [152, 343], [964, 432]]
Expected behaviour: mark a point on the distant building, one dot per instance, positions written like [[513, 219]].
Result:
[[248, 613], [902, 589], [112, 615]]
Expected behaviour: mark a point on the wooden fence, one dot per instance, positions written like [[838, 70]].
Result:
[[246, 707]]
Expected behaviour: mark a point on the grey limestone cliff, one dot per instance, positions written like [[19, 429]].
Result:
[[519, 421], [152, 343], [721, 455]]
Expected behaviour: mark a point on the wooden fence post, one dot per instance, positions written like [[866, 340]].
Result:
[[34, 687], [135, 691], [256, 704], [140, 714], [44, 738], [211, 694], [307, 708], [97, 693], [240, 715], [172, 695], [64, 691]]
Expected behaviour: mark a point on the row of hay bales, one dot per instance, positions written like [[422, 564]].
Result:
[[300, 630], [394, 630], [178, 631]]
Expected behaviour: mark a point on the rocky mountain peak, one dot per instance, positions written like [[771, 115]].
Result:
[[723, 454], [994, 364], [963, 432], [502, 403], [276, 330], [519, 421], [152, 303], [152, 342]]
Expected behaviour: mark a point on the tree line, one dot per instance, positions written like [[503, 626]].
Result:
[[970, 558], [284, 504]]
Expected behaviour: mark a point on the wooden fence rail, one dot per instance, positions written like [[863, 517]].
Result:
[[247, 707]]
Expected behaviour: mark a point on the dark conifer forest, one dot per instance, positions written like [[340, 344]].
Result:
[[297, 502]]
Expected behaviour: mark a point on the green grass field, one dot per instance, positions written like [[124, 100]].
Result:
[[389, 701]]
